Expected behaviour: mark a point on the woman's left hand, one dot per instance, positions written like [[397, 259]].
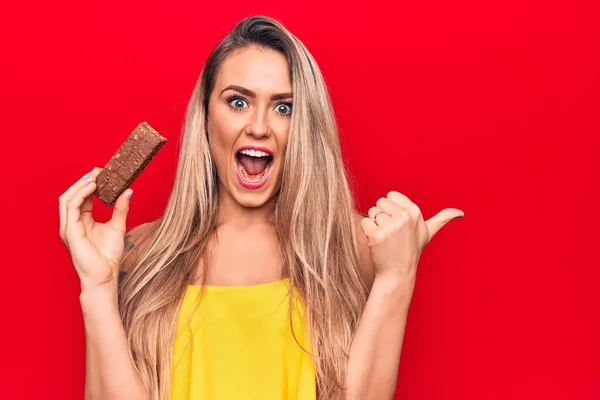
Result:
[[398, 234]]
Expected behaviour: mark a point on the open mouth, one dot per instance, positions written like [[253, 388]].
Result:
[[253, 166]]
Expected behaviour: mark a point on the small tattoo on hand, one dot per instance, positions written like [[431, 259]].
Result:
[[128, 244]]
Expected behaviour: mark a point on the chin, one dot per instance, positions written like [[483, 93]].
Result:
[[252, 200]]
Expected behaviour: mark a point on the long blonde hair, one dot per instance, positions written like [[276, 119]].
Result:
[[314, 220]]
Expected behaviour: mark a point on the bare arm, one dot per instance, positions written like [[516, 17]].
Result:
[[374, 356], [375, 351], [110, 374], [390, 248]]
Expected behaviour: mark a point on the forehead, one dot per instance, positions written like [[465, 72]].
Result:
[[260, 70]]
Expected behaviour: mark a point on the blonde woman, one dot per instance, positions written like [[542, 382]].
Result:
[[260, 281]]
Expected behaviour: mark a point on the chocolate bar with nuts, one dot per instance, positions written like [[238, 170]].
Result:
[[128, 162]]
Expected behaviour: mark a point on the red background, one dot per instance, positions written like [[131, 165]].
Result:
[[491, 107]]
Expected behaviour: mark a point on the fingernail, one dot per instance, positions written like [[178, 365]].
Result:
[[460, 216], [88, 176], [129, 197], [89, 183]]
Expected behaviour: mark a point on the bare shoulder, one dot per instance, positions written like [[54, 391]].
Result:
[[136, 241], [364, 251]]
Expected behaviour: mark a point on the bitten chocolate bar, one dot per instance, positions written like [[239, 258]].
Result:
[[128, 162]]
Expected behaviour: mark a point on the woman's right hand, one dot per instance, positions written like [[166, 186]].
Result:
[[96, 248]]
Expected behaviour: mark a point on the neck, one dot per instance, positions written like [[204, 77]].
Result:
[[233, 213]]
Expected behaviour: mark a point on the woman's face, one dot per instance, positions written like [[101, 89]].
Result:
[[249, 113]]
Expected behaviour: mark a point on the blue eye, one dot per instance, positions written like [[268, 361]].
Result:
[[237, 103], [284, 108]]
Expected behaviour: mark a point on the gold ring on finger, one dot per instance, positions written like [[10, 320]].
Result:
[[377, 214]]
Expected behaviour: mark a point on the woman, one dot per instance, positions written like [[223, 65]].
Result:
[[260, 281]]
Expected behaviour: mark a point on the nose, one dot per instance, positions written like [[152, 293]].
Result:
[[259, 125]]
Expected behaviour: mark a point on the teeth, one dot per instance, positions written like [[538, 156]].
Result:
[[255, 153], [255, 178]]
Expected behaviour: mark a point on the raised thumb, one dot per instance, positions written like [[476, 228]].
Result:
[[437, 222], [119, 214]]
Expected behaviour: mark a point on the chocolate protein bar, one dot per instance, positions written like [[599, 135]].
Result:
[[128, 162]]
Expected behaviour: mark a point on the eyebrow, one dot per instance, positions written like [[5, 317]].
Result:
[[250, 93]]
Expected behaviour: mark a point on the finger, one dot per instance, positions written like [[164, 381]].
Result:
[[404, 202], [369, 227], [86, 213], [63, 200], [379, 216], [391, 207], [435, 223], [119, 215], [74, 210]]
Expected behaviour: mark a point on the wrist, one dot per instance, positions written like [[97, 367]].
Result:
[[395, 284], [95, 297], [404, 277], [107, 288]]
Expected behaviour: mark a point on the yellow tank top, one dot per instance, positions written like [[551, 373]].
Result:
[[236, 343]]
